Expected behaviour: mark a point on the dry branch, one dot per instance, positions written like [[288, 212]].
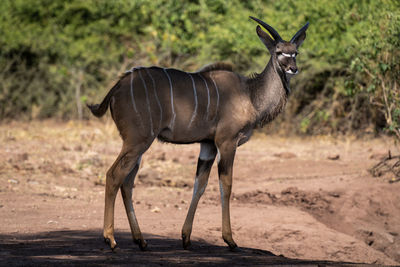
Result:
[[390, 164]]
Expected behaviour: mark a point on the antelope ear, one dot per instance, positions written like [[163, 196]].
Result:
[[299, 37], [266, 39]]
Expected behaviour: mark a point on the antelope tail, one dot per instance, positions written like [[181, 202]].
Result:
[[100, 109]]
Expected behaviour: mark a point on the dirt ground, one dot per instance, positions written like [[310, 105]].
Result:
[[295, 201]]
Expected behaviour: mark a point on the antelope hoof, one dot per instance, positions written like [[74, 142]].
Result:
[[235, 249], [112, 244], [142, 244], [186, 242], [232, 245]]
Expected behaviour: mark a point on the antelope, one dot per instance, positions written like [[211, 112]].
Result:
[[214, 106]]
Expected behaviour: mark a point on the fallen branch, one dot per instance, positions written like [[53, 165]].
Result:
[[390, 164]]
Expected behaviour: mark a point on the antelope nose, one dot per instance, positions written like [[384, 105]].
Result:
[[294, 69]]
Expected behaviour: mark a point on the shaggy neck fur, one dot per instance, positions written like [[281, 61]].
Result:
[[269, 91]]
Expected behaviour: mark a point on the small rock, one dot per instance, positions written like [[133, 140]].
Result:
[[389, 237], [31, 182], [99, 182], [334, 157], [65, 148], [16, 166], [13, 181], [285, 155], [142, 175], [60, 188], [334, 194], [169, 183], [23, 157], [155, 210], [161, 157]]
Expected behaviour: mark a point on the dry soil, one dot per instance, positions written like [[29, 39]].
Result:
[[296, 201]]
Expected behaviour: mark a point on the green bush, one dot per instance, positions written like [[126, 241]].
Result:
[[55, 55]]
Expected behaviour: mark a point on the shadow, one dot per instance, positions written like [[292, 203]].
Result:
[[87, 248]]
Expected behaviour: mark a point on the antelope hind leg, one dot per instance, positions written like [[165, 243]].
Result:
[[116, 175], [207, 155], [126, 192]]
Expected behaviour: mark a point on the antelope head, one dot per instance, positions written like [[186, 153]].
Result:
[[283, 53]]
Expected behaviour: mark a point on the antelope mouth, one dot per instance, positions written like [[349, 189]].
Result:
[[291, 72]]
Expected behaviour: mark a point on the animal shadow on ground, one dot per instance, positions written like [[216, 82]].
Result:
[[86, 248]]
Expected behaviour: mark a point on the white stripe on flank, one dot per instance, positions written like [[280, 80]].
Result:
[[148, 103], [217, 91], [132, 97], [155, 93], [195, 101], [171, 124], [208, 94]]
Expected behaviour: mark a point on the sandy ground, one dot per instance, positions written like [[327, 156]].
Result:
[[295, 201]]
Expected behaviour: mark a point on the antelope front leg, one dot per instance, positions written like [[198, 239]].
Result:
[[227, 154], [208, 151]]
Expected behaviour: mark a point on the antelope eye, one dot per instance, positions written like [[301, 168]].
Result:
[[279, 53]]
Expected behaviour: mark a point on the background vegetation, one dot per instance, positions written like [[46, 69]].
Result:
[[56, 54]]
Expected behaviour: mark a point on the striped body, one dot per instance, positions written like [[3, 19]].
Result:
[[173, 105], [215, 107]]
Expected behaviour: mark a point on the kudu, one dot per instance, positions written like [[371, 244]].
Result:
[[215, 107]]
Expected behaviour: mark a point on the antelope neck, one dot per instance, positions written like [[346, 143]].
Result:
[[269, 91]]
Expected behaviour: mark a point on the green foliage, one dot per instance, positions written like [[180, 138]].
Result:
[[349, 63], [52, 49]]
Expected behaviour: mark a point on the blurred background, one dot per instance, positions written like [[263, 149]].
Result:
[[57, 55]]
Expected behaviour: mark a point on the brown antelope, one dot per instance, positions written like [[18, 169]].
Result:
[[215, 107]]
